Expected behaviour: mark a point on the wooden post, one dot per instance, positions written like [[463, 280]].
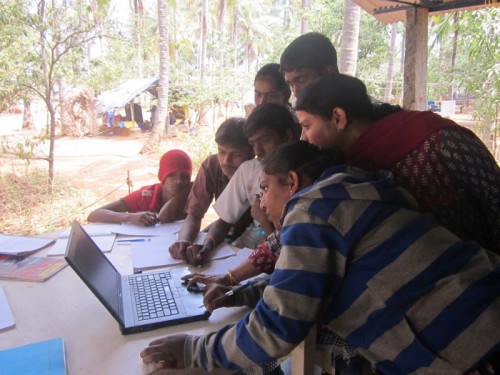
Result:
[[415, 74], [303, 356]]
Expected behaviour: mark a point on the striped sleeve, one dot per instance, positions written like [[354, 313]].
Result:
[[291, 304]]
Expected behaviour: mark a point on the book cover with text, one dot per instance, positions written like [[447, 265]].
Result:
[[29, 268]]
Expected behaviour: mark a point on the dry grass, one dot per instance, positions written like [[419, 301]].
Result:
[[90, 172], [29, 208]]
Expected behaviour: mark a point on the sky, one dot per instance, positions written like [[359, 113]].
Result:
[[121, 8]]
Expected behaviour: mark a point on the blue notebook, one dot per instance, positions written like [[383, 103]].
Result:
[[40, 358]]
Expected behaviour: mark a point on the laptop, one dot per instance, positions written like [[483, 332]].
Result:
[[131, 299]]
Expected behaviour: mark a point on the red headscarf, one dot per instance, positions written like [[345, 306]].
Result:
[[174, 161]]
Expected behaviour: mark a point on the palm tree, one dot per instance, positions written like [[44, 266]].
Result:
[[203, 39], [304, 23], [137, 12], [390, 64], [448, 27], [350, 35], [154, 138]]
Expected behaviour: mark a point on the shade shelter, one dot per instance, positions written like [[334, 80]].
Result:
[[121, 100]]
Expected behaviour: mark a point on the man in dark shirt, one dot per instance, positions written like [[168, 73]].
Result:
[[213, 176]]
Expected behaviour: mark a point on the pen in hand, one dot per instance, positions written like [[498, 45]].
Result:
[[134, 240], [228, 294]]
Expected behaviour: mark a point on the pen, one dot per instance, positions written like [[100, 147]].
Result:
[[134, 240], [229, 293]]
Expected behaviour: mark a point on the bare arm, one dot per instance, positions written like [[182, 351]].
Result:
[[117, 212], [245, 270], [242, 272], [174, 209], [190, 228]]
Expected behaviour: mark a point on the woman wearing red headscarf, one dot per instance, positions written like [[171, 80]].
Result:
[[162, 202]]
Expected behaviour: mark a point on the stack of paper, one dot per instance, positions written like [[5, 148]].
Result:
[[102, 234], [156, 230], [154, 252], [21, 245], [6, 317]]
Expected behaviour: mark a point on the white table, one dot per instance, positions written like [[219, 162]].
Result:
[[64, 307]]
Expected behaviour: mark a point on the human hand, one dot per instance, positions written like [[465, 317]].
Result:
[[167, 352], [147, 219], [214, 291], [178, 249], [196, 253], [257, 212], [206, 279]]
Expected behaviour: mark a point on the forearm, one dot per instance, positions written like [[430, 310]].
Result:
[[218, 231], [174, 209], [107, 216], [244, 271], [190, 228]]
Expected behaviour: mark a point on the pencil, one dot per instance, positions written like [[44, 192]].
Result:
[[229, 293], [134, 240]]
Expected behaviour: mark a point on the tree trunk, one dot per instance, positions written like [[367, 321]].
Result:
[[48, 98], [28, 123], [350, 36], [65, 118], [234, 35], [52, 143], [203, 40], [453, 56], [162, 110], [137, 10], [390, 64], [173, 53], [221, 16], [304, 24]]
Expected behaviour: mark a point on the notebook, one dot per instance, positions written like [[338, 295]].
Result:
[[174, 304]]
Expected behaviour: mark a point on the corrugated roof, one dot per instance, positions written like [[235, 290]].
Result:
[[390, 11]]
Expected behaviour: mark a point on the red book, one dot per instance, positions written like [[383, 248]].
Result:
[[29, 268]]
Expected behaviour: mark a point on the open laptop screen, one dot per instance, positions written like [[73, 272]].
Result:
[[95, 269]]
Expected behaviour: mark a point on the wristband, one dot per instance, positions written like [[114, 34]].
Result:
[[232, 280]]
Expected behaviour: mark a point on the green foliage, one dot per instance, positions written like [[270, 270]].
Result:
[[198, 148], [325, 17], [25, 148], [481, 30], [476, 71], [15, 67]]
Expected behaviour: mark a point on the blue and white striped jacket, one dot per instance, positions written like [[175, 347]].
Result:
[[356, 257]]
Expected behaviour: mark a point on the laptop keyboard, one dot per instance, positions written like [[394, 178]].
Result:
[[153, 296]]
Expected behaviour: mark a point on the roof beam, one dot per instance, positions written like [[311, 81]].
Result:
[[432, 6]]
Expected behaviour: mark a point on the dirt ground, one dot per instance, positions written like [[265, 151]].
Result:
[[104, 164], [100, 167]]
